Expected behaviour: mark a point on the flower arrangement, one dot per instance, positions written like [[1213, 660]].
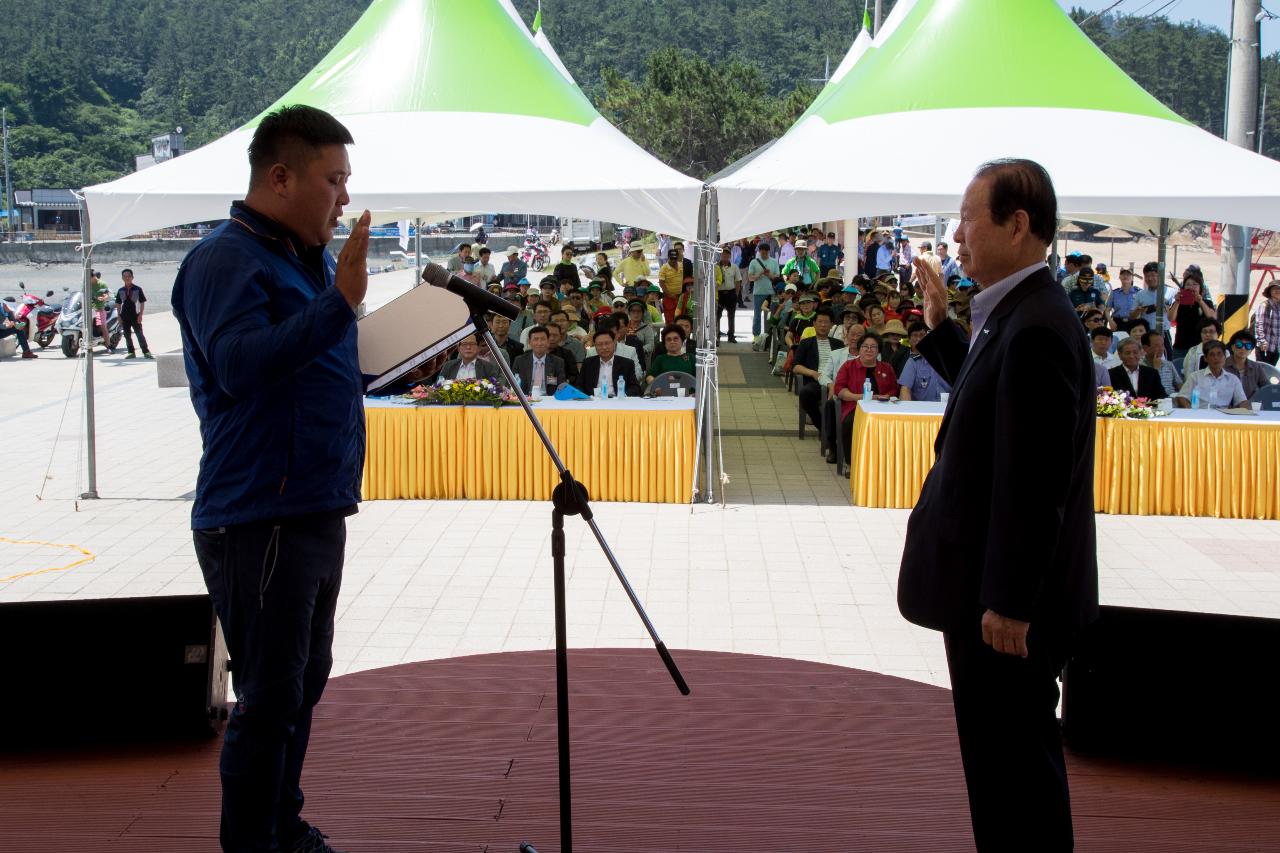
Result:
[[462, 392], [1119, 404]]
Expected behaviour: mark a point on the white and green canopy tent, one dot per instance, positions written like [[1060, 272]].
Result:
[[955, 83], [439, 131]]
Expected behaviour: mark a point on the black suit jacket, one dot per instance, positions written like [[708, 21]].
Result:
[[524, 369], [1149, 382], [1005, 519], [807, 351], [484, 370], [589, 375]]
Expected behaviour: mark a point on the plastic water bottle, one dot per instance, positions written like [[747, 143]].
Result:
[[866, 388], [1195, 398], [622, 387], [602, 393]]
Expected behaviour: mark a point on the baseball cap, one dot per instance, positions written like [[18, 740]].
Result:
[[802, 244], [512, 250], [637, 248], [791, 288], [619, 300], [849, 288], [806, 297]]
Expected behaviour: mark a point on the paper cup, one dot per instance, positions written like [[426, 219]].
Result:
[[680, 391], [1257, 407], [944, 397]]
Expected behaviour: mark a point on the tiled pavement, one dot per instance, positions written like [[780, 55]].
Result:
[[787, 567]]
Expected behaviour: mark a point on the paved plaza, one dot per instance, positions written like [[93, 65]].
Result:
[[785, 567]]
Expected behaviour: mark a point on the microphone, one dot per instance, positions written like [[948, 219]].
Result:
[[479, 300]]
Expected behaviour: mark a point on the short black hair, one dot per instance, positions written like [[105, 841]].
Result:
[[604, 328], [674, 329], [538, 330], [1148, 337], [1150, 266], [293, 135], [917, 327], [1087, 260], [680, 317], [1213, 345], [1101, 332], [126, 270], [825, 312], [1206, 322], [543, 302], [1018, 184], [871, 335], [1243, 335]]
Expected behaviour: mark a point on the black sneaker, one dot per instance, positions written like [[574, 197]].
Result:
[[313, 841]]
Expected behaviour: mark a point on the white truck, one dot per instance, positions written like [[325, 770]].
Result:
[[586, 234]]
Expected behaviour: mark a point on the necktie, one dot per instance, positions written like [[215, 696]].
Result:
[[539, 374]]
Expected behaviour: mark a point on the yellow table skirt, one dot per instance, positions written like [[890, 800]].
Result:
[[484, 453], [1160, 467]]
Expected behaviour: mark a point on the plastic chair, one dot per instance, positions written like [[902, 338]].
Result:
[[665, 384], [1269, 396]]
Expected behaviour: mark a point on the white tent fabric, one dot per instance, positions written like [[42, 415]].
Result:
[[544, 45], [1144, 168], [416, 153]]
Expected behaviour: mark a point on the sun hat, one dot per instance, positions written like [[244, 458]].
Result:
[[791, 288], [895, 327], [512, 250]]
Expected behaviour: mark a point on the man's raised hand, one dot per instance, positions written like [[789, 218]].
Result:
[[935, 293], [352, 276]]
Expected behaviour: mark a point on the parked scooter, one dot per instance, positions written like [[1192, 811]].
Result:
[[71, 325], [535, 254], [45, 318]]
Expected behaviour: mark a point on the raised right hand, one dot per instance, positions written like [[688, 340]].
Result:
[[352, 275], [935, 293]]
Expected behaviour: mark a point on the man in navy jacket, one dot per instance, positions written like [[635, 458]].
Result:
[[269, 337], [1000, 552]]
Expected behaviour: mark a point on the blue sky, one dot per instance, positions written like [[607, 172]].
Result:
[[1215, 13]]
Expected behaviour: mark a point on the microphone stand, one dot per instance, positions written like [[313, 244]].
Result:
[[568, 498]]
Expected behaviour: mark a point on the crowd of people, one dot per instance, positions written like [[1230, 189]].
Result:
[[602, 330], [844, 342]]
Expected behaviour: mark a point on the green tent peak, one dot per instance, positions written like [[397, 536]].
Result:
[[420, 56], [1006, 53]]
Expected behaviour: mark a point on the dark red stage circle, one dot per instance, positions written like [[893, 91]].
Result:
[[767, 754]]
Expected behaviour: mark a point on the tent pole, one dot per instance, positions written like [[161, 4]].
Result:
[[1161, 248], [86, 341], [417, 250], [707, 402]]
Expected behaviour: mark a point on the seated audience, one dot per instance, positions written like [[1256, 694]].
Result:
[[607, 367], [537, 366], [1170, 378], [1134, 377], [501, 328], [673, 357], [541, 317], [1251, 374], [1100, 342], [850, 381], [1214, 386], [812, 355], [556, 345], [1210, 330], [918, 380], [467, 365]]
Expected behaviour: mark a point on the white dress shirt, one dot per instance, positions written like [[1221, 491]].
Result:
[[983, 304], [606, 376], [466, 370]]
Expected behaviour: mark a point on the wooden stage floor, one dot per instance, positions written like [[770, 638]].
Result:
[[767, 754]]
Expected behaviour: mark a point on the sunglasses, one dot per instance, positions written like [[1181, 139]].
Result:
[[1244, 345]]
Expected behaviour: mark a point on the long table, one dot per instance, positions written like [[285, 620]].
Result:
[[632, 449], [1190, 462]]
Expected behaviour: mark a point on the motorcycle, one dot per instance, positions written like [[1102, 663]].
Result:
[[535, 254], [46, 318], [71, 325]]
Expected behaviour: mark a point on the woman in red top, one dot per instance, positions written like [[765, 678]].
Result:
[[849, 382]]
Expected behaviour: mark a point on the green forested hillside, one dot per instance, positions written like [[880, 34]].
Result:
[[698, 82]]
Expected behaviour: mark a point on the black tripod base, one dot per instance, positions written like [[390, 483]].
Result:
[[526, 847]]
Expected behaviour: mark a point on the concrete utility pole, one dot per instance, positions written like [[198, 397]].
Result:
[[8, 183], [1242, 127], [876, 31]]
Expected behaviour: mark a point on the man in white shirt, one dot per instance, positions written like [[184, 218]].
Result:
[[787, 251], [1214, 386], [884, 255], [467, 365], [1100, 344], [541, 316], [1210, 330]]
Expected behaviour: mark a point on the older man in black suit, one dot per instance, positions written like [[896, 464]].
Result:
[[1132, 375], [1000, 551]]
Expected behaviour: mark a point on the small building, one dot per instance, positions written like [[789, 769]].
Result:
[[43, 209]]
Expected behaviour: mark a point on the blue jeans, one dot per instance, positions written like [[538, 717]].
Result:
[[757, 307], [275, 587]]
